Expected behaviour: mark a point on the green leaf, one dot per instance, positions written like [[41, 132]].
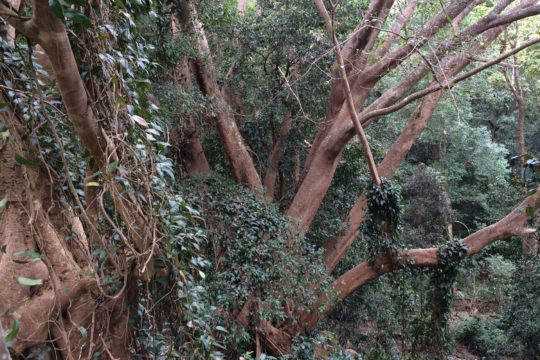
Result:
[[203, 275], [529, 211], [222, 329], [11, 333], [3, 249], [84, 333], [34, 256], [76, 2], [4, 134], [4, 107], [77, 17], [56, 8], [19, 159], [4, 201], [97, 173], [92, 183], [29, 282], [113, 166]]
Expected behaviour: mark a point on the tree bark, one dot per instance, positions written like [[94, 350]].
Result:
[[335, 132], [237, 151], [276, 155], [242, 6], [512, 224], [335, 248], [348, 95]]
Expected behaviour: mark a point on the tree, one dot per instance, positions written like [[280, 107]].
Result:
[[121, 216]]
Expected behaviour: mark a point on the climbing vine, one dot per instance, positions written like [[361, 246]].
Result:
[[441, 295], [381, 229]]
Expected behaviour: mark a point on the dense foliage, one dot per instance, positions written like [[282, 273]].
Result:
[[229, 262]]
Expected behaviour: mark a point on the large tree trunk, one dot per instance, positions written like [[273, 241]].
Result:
[[237, 151], [65, 307], [35, 221]]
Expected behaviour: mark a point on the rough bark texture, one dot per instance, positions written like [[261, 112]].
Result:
[[276, 155], [191, 150], [237, 151]]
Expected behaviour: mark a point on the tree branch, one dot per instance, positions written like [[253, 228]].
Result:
[[446, 85], [335, 248], [23, 24], [350, 101], [512, 224]]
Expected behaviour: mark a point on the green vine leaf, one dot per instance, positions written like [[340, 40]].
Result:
[[56, 8], [21, 160], [77, 17], [11, 333], [34, 256], [29, 282]]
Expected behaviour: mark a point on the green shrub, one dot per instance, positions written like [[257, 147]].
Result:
[[498, 272], [522, 315], [484, 338]]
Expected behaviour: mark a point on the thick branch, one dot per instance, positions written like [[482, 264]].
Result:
[[511, 225], [334, 133], [337, 247], [275, 156], [362, 40], [350, 101], [399, 24], [237, 151]]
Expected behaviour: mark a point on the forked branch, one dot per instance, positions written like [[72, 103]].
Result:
[[350, 101]]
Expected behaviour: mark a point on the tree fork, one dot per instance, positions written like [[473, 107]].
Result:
[[335, 248], [350, 101]]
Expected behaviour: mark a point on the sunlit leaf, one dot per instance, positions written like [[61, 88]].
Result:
[[29, 282]]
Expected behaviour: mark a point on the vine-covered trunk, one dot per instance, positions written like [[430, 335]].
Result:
[[48, 288]]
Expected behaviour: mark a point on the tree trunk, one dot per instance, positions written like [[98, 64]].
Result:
[[191, 150], [237, 151], [275, 156], [35, 221]]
